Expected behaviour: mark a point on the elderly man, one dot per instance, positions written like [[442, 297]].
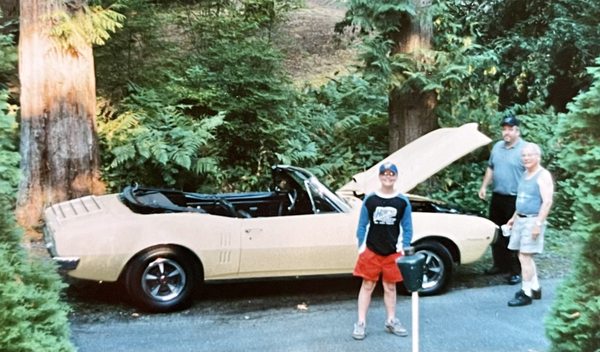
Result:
[[534, 199]]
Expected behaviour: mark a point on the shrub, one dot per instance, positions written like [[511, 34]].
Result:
[[31, 314], [32, 318], [574, 323]]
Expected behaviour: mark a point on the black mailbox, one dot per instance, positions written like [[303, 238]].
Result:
[[412, 267]]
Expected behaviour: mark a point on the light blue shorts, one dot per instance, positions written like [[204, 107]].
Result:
[[520, 236]]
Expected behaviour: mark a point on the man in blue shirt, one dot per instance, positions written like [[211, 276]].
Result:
[[384, 229], [504, 171]]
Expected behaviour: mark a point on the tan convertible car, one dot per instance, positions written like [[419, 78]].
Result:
[[162, 244]]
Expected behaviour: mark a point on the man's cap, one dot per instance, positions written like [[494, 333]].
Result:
[[388, 167], [509, 120]]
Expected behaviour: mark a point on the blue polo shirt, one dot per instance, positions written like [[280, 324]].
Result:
[[507, 167]]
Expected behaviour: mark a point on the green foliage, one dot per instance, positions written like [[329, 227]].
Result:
[[527, 57], [266, 13], [458, 184], [467, 72], [454, 58], [229, 71], [9, 158], [140, 53], [31, 314], [383, 17], [574, 324], [462, 73], [84, 25], [8, 53], [379, 22], [241, 73], [545, 46], [340, 129], [151, 141], [207, 59], [540, 50], [255, 98]]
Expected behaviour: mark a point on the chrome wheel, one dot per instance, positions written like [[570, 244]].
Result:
[[163, 279], [438, 267], [434, 270]]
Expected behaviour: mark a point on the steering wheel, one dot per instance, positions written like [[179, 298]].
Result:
[[292, 196]]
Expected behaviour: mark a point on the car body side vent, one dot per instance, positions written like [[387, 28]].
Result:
[[76, 207]]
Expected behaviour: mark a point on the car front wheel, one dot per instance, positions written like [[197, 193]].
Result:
[[161, 279], [438, 267]]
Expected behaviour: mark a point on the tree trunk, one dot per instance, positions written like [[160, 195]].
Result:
[[411, 114], [59, 152]]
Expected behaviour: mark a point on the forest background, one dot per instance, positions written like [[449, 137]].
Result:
[[207, 95]]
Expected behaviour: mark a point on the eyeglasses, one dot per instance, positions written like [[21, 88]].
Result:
[[387, 173]]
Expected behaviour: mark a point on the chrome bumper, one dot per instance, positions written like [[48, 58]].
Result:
[[64, 263]]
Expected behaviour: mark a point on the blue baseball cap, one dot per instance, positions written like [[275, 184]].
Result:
[[388, 167], [509, 120]]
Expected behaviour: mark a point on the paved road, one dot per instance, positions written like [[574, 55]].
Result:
[[464, 320]]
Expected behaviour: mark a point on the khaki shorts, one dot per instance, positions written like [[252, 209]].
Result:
[[520, 236]]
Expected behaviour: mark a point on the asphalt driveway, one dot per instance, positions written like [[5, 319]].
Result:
[[475, 319]]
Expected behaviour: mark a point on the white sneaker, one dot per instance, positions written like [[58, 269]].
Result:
[[359, 331], [395, 327]]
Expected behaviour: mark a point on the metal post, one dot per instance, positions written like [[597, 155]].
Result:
[[411, 267], [415, 321]]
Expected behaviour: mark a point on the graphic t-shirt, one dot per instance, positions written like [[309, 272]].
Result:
[[385, 223]]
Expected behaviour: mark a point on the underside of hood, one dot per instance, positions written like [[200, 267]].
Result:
[[420, 159]]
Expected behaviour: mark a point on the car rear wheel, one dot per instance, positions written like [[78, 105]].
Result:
[[438, 267], [161, 279]]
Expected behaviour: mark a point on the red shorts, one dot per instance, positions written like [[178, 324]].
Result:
[[370, 265]]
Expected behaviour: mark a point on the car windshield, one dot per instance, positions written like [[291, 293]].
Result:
[[324, 198]]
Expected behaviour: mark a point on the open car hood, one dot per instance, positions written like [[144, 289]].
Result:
[[421, 158]]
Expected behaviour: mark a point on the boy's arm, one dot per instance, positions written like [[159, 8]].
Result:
[[406, 224], [363, 221]]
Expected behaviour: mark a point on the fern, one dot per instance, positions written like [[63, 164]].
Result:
[[149, 137], [87, 25]]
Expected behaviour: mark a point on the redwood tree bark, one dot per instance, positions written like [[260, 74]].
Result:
[[411, 115], [58, 136]]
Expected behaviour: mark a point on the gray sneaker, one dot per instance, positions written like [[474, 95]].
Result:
[[395, 327], [359, 331]]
